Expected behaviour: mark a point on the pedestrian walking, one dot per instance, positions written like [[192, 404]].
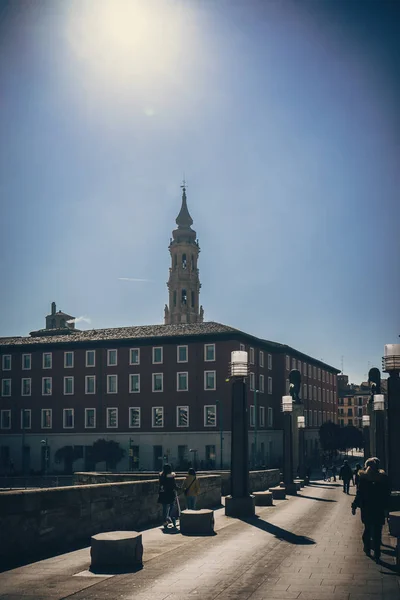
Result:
[[346, 474], [334, 472], [324, 471], [167, 494], [191, 489], [372, 497], [356, 474]]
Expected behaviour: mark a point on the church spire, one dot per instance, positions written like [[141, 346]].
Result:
[[184, 220]]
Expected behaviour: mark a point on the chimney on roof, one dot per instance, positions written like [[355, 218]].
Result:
[[53, 308]]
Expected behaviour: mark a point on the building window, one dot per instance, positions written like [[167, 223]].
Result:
[[157, 355], [182, 384], [252, 412], [319, 394], [90, 418], [287, 387], [310, 421], [157, 382], [315, 372], [310, 392], [5, 419], [305, 369], [261, 384], [209, 352], [192, 298], [242, 347], [47, 386], [134, 383], [319, 374], [182, 354], [134, 356], [319, 418], [182, 416], [68, 418], [90, 358], [350, 422], [209, 380], [349, 412], [251, 359], [68, 360], [112, 418], [287, 363], [293, 363], [323, 395], [46, 418], [26, 362], [6, 387], [134, 417], [309, 371], [157, 416], [112, 384], [90, 384], [304, 391], [252, 381], [269, 385], [68, 386], [315, 418], [261, 358], [26, 387], [262, 416], [324, 416], [315, 392], [47, 360], [270, 417], [25, 418], [184, 297], [323, 376], [269, 361], [112, 358], [6, 362], [210, 415]]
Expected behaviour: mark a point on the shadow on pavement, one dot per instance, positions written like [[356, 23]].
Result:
[[315, 498], [278, 532], [323, 484]]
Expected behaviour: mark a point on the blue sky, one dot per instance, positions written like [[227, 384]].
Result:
[[282, 115]]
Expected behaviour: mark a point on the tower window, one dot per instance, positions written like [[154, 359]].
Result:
[[175, 260], [192, 299], [184, 262], [174, 298], [184, 297], [192, 262]]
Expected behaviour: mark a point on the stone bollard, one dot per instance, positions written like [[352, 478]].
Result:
[[278, 493], [394, 530], [116, 550], [301, 481], [297, 483], [197, 522], [263, 498]]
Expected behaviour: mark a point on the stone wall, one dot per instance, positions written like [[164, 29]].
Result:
[[37, 523], [259, 480]]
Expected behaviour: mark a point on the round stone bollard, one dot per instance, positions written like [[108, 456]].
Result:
[[297, 484], [116, 550], [394, 530], [263, 498], [197, 522], [278, 493]]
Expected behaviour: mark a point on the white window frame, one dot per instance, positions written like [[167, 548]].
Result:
[[261, 384], [3, 361], [87, 377], [310, 397], [187, 381], [90, 426], [287, 362], [251, 356], [3, 381], [269, 385], [44, 360], [86, 359], [309, 371], [205, 353], [109, 350], [42, 411], [319, 394], [323, 395], [153, 409], [22, 386], [252, 381], [252, 415], [64, 418], [131, 409], [261, 358], [108, 383], [262, 416], [304, 369], [132, 364], [177, 417], [30, 362], [2, 412], [65, 359], [319, 373], [207, 389], [51, 386], [153, 352], [153, 375], [108, 412], [177, 354], [270, 417], [64, 386], [26, 410], [131, 376], [323, 376], [270, 362], [314, 372], [299, 365], [315, 418], [214, 407], [315, 392]]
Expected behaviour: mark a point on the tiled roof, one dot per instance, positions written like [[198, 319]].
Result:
[[121, 333]]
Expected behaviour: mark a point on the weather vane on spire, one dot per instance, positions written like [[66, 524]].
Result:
[[183, 186]]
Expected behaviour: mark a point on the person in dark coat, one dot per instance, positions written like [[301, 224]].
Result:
[[167, 493], [346, 474], [334, 472], [356, 474], [373, 496]]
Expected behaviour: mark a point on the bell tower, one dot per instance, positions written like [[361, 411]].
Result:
[[184, 284]]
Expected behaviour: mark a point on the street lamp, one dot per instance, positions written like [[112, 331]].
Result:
[[287, 409], [301, 424], [391, 365], [221, 433], [239, 503], [194, 460], [366, 422], [380, 445]]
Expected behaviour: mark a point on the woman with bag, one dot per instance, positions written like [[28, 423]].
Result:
[[167, 494], [191, 489]]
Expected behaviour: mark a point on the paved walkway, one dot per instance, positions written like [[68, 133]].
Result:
[[308, 547]]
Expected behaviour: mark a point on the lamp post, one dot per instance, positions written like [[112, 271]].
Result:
[[287, 409], [366, 422], [221, 433], [45, 445], [301, 424], [239, 503], [194, 460], [255, 428], [391, 365], [380, 444]]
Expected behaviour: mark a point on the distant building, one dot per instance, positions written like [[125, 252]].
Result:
[[353, 400]]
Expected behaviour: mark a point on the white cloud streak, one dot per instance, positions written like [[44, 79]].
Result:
[[134, 279], [80, 320]]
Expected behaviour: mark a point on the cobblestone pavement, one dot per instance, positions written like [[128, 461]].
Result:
[[308, 547]]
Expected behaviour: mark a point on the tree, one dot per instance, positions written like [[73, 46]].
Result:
[[329, 439], [350, 437], [107, 451], [68, 455]]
